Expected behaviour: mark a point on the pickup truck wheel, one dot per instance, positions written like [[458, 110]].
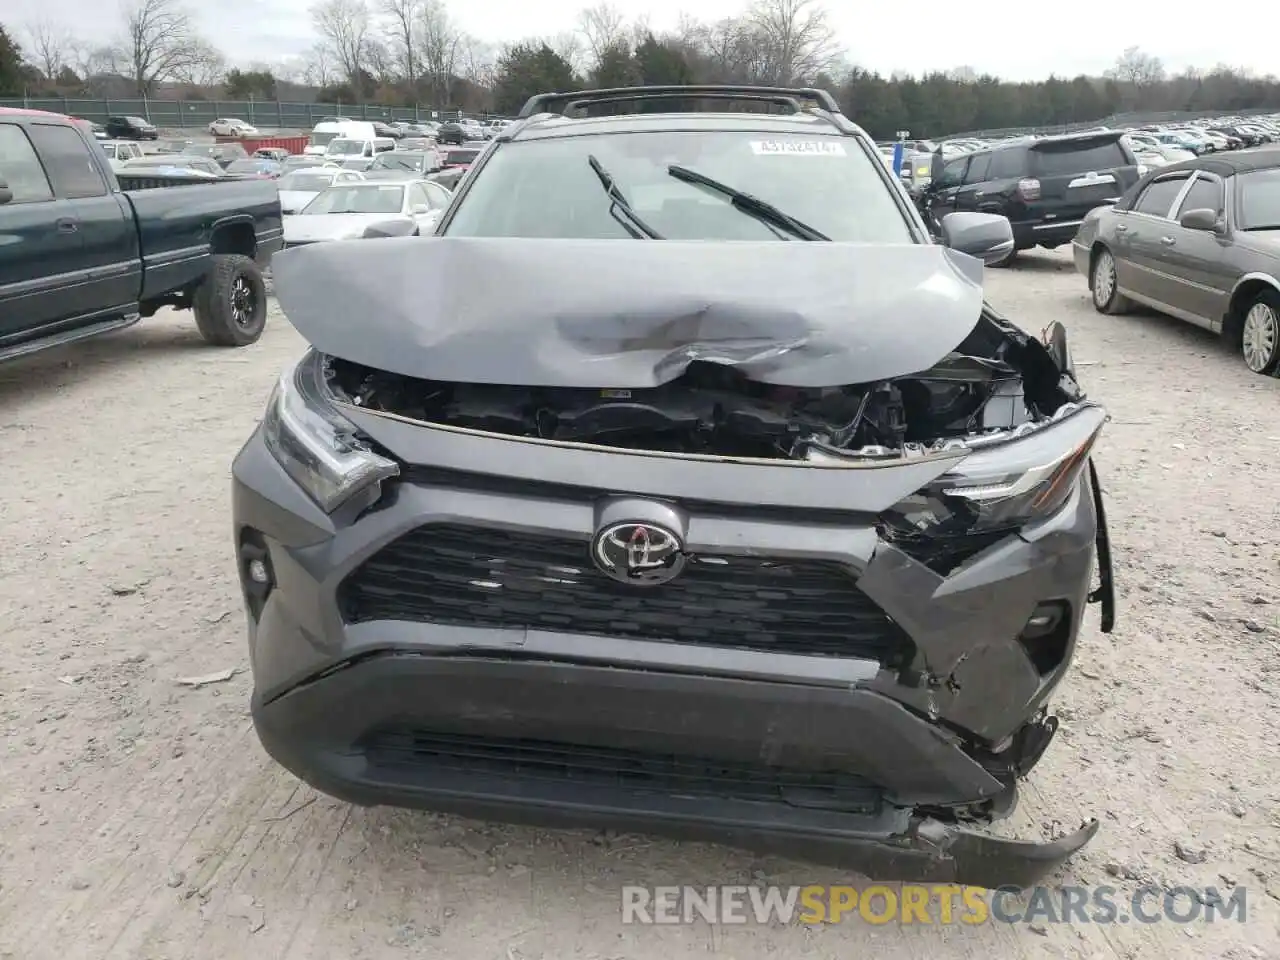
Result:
[[231, 305]]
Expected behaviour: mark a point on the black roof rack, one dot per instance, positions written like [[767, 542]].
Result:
[[782, 96]]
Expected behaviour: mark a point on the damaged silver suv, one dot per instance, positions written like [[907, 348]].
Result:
[[679, 483]]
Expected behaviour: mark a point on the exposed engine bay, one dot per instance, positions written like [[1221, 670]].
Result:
[[997, 383]]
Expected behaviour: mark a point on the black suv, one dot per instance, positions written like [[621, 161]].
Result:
[[1044, 186], [131, 128]]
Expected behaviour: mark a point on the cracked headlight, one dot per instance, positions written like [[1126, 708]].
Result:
[[318, 447], [1004, 486]]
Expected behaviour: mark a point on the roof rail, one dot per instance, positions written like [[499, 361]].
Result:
[[783, 96]]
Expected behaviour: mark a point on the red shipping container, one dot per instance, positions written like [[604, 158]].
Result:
[[251, 144]]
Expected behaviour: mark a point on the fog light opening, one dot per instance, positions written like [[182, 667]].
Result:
[[1044, 636], [257, 579]]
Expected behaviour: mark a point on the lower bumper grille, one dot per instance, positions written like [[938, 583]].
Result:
[[473, 576], [572, 764]]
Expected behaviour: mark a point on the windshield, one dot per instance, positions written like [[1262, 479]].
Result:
[[247, 166], [547, 188], [460, 157], [1259, 192], [358, 198], [400, 161], [346, 147], [305, 182]]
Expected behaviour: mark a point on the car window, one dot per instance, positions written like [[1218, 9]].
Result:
[[978, 167], [1258, 199], [439, 196], [1007, 164], [547, 188], [1067, 158], [20, 167], [1157, 199], [358, 198], [418, 196], [70, 165], [1205, 194], [953, 173]]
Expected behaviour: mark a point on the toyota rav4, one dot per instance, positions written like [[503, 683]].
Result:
[[678, 483]]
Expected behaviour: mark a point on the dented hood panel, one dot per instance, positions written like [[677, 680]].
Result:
[[620, 313]]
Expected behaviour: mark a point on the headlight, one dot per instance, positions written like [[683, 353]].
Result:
[[317, 447], [1005, 486]]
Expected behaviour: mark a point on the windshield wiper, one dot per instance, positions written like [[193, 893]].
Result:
[[765, 212], [620, 209]]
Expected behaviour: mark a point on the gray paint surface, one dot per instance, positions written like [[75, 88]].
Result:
[[589, 313]]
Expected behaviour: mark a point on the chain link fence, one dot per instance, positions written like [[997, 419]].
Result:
[[196, 114]]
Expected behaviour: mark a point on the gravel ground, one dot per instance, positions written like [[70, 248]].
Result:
[[139, 819]]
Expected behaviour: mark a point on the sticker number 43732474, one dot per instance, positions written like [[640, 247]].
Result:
[[798, 148]]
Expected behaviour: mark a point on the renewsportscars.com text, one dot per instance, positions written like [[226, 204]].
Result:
[[940, 904]]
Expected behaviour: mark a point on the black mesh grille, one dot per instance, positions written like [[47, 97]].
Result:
[[574, 764], [944, 555], [473, 576]]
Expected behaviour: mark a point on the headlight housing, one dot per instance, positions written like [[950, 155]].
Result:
[[318, 447], [1005, 486]]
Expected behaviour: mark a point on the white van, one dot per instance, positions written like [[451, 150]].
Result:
[[348, 148], [327, 131]]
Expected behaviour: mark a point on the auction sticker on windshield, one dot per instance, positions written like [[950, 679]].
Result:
[[800, 148]]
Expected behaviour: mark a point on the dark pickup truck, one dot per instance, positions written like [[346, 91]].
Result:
[[85, 253]]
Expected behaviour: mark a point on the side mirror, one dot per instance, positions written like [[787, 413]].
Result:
[[6, 194], [986, 236], [1203, 219], [419, 209]]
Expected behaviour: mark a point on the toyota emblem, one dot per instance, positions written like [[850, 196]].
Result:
[[639, 554]]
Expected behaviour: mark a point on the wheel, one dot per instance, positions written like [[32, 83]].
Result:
[[1107, 297], [231, 304], [1260, 334]]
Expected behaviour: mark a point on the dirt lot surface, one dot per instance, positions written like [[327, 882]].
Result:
[[139, 819]]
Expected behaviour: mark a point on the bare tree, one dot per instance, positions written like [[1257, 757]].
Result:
[[204, 67], [343, 26], [439, 44], [798, 41], [317, 68], [603, 27], [568, 46], [50, 47], [89, 62], [402, 35], [1138, 68], [476, 61], [160, 42], [381, 62]]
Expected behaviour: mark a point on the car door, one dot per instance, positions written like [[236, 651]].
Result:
[[42, 248], [945, 187], [1201, 278], [439, 198], [1139, 254], [970, 195], [108, 236]]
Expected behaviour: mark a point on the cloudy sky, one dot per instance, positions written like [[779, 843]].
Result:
[[1065, 38]]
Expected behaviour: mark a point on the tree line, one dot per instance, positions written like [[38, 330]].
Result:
[[407, 52]]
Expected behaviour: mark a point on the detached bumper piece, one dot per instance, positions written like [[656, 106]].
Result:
[[840, 777]]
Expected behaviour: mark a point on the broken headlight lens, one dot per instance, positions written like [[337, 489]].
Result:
[[1004, 486], [317, 447]]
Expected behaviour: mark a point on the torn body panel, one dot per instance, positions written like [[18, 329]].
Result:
[[876, 490]]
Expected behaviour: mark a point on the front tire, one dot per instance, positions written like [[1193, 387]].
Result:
[[1260, 334], [1107, 297], [231, 304]]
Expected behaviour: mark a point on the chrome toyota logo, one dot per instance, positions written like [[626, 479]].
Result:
[[641, 554]]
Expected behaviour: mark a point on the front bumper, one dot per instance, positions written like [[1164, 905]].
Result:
[[831, 758]]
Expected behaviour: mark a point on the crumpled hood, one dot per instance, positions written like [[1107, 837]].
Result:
[[622, 313], [308, 228]]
